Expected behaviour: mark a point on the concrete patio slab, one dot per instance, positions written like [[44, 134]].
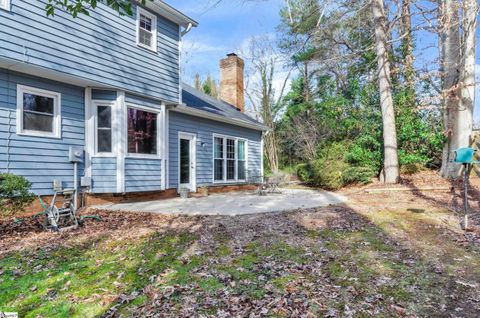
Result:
[[234, 203]]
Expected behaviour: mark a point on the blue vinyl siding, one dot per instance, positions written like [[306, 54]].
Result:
[[204, 130], [101, 47], [40, 159], [143, 174], [104, 175], [142, 101], [99, 94]]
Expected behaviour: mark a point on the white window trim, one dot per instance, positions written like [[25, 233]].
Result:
[[115, 129], [158, 155], [236, 180], [152, 16], [57, 120], [6, 6]]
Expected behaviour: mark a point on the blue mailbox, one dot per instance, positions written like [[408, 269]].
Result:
[[464, 155]]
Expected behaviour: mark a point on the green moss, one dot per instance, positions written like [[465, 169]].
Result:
[[281, 283], [48, 284], [223, 250], [210, 285]]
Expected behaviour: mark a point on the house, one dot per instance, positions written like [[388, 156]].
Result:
[[111, 85]]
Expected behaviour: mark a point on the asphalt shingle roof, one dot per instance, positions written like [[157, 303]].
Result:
[[200, 101]]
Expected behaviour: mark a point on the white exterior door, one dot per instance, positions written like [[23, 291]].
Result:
[[187, 172]]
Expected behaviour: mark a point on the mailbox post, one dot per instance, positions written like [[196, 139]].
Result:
[[464, 156]]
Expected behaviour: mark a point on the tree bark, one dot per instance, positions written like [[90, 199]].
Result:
[[391, 167], [464, 124], [450, 37], [407, 46]]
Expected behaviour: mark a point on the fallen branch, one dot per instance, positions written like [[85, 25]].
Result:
[[408, 189]]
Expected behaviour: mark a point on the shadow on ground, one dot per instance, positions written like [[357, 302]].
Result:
[[380, 255]]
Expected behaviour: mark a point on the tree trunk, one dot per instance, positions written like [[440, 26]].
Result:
[[464, 124], [450, 37], [391, 168], [306, 82], [407, 46], [271, 150]]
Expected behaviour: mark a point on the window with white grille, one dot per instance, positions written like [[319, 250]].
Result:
[[146, 29], [229, 159], [5, 4]]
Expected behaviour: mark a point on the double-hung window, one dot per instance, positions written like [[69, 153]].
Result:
[[241, 160], [38, 112], [104, 129], [5, 4], [146, 29], [229, 157], [218, 158]]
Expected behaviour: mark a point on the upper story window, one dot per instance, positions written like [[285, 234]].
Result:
[[146, 29], [38, 112], [5, 4], [142, 132]]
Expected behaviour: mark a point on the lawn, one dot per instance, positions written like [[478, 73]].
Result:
[[380, 255]]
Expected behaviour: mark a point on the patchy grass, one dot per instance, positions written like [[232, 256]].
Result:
[[367, 268], [387, 260], [84, 280]]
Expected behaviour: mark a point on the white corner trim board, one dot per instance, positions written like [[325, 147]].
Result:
[[88, 132], [163, 138], [120, 120]]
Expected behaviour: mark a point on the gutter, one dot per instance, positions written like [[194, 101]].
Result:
[[171, 13], [184, 109]]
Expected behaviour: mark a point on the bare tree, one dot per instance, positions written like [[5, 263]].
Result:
[[464, 124], [407, 45], [390, 166], [265, 99], [458, 60]]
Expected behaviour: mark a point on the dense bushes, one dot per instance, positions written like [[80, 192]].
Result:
[[332, 170], [335, 136], [15, 194]]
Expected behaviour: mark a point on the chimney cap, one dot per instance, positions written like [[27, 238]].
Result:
[[231, 54]]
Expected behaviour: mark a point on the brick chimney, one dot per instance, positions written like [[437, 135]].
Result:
[[231, 81]]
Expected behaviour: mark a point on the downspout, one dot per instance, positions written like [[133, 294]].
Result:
[[187, 29], [9, 138]]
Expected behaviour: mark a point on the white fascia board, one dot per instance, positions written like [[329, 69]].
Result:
[[171, 13], [204, 114]]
